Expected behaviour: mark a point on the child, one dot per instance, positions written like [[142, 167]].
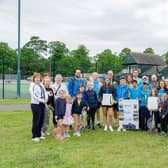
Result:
[[164, 113], [91, 99], [144, 112], [154, 93], [60, 108], [77, 107], [67, 120]]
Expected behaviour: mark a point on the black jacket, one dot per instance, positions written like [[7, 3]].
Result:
[[77, 108]]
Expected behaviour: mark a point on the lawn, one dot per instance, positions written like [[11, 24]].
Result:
[[94, 149]]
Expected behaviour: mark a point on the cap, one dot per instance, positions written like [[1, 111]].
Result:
[[122, 77]]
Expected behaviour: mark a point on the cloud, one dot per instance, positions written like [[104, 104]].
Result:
[[98, 24]]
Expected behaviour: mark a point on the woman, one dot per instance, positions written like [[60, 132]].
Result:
[[107, 88], [39, 98]]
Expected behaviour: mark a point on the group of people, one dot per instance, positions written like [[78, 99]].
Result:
[[77, 104]]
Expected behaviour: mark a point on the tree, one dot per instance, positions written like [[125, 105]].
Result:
[[81, 58], [8, 58], [38, 45], [124, 52], [149, 51], [107, 60], [165, 56], [57, 51]]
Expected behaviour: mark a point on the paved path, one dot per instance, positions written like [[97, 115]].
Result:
[[15, 107]]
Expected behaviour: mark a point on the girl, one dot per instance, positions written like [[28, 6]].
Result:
[[154, 93], [161, 89], [107, 88], [60, 108], [164, 113], [39, 98], [67, 120], [91, 99], [49, 106], [77, 107]]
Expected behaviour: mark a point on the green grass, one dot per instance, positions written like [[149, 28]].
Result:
[[94, 149], [14, 101]]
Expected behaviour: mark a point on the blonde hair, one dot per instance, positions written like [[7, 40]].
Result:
[[36, 74]]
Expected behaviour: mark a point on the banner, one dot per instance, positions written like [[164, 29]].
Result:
[[129, 114], [152, 103]]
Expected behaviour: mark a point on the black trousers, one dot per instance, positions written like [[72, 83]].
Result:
[[144, 115], [164, 123], [38, 117], [91, 117]]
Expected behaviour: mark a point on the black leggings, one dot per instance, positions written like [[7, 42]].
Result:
[[91, 116]]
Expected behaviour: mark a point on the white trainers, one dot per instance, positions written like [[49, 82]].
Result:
[[119, 129], [42, 137], [124, 129], [111, 128], [105, 128], [78, 134], [36, 139]]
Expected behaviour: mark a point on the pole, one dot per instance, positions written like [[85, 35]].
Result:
[[3, 77], [18, 66]]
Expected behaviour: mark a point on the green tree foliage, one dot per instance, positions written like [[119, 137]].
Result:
[[81, 58], [38, 45], [107, 60], [57, 51], [165, 56], [149, 51], [8, 58], [124, 52]]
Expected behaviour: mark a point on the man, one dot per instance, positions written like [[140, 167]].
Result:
[[135, 74], [74, 83], [96, 88]]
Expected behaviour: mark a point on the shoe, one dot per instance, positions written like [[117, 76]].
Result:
[[47, 133], [87, 127], [68, 135], [111, 128], [98, 125], [93, 129], [36, 139], [42, 137], [105, 128], [78, 134], [124, 129], [59, 137], [75, 133], [119, 129], [65, 135], [42, 134]]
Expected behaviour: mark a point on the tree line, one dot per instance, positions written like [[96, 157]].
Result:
[[54, 57]]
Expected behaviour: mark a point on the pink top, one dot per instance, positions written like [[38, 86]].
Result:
[[68, 110]]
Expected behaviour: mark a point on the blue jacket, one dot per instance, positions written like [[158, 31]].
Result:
[[144, 94], [96, 86], [134, 93], [160, 92], [91, 98], [73, 86], [122, 92]]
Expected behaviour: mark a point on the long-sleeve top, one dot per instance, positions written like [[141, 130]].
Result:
[[38, 93], [73, 86], [108, 90], [164, 110], [77, 107], [122, 92], [91, 98], [50, 97], [160, 92], [56, 87], [60, 107], [144, 94], [134, 93]]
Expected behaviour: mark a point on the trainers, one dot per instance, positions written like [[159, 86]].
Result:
[[124, 129], [119, 129], [59, 137], [105, 128], [36, 139], [42, 137], [111, 128], [78, 134], [43, 134], [68, 135], [98, 125], [75, 133]]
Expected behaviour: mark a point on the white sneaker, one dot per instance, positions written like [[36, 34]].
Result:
[[75, 133], [36, 139], [105, 128], [111, 128], [42, 137], [119, 129], [78, 134], [124, 129]]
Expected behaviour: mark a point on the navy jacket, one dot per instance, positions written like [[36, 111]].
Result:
[[60, 107], [77, 108], [91, 98]]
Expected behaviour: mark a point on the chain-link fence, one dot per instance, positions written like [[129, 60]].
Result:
[[8, 87]]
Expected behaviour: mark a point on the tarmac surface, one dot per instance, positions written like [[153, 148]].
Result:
[[15, 107]]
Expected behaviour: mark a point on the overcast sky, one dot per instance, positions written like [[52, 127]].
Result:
[[98, 24]]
